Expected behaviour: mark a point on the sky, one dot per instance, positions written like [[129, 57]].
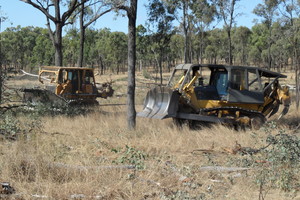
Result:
[[20, 13]]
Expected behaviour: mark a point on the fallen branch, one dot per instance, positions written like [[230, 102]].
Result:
[[203, 151], [223, 169], [34, 75], [85, 168], [237, 148], [208, 150]]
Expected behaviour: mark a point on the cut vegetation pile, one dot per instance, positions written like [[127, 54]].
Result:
[[80, 154]]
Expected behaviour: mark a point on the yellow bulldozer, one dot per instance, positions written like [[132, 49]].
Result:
[[67, 85], [218, 93]]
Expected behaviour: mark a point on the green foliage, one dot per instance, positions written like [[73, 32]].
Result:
[[158, 43], [117, 50], [131, 156], [26, 47], [160, 17], [9, 127], [283, 158], [43, 51], [71, 40], [12, 128], [43, 109], [177, 46], [146, 74], [241, 40]]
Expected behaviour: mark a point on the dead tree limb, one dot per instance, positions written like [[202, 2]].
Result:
[[85, 168], [223, 169]]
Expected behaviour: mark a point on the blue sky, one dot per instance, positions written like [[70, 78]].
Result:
[[20, 13]]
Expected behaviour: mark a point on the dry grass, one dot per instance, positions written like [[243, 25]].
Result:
[[50, 161]]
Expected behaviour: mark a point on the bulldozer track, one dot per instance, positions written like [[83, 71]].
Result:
[[234, 109]]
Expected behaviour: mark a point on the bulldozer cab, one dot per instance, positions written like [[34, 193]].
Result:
[[67, 85], [70, 80], [234, 84]]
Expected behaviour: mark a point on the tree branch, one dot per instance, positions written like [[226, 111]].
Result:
[[42, 9], [122, 7], [51, 34], [97, 17], [73, 7]]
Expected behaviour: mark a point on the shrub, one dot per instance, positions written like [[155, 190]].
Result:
[[131, 156], [283, 158], [9, 127]]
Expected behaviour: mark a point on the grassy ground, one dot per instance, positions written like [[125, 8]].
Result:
[[63, 157]]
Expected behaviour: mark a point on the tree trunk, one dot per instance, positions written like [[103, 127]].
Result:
[[58, 19], [201, 47], [269, 50], [230, 47], [160, 67], [185, 30], [131, 113], [82, 37], [243, 55], [100, 61], [58, 45], [1, 80], [297, 87], [296, 61]]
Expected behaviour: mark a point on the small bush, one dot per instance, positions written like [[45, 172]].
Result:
[[132, 156], [283, 158], [10, 127]]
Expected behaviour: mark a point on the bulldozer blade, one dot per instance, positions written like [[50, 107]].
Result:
[[160, 103], [36, 96]]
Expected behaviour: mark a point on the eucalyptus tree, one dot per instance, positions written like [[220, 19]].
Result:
[[3, 18], [160, 18], [142, 45], [52, 9], [267, 11], [117, 50], [226, 9], [91, 36], [89, 12], [177, 48], [280, 48], [130, 8], [185, 19], [71, 42], [14, 40], [43, 51], [216, 48], [241, 39], [100, 51], [258, 44], [204, 12], [290, 10]]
